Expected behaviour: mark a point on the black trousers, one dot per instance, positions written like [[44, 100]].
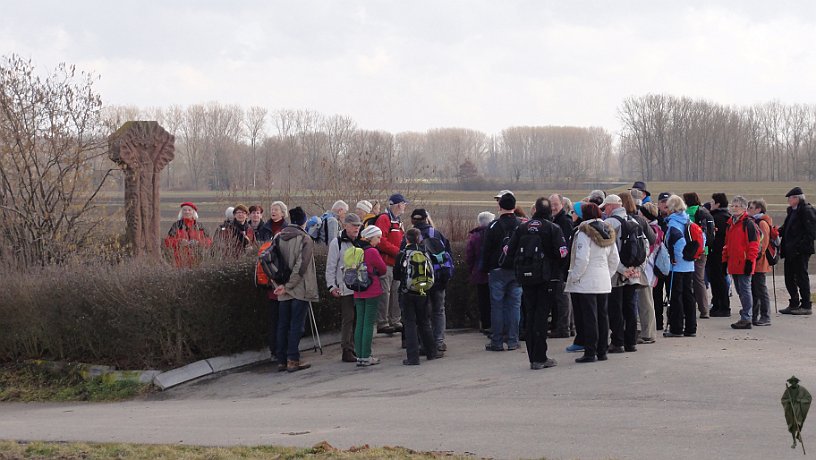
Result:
[[417, 324], [538, 299], [483, 301], [561, 308], [272, 332], [658, 295], [797, 281], [719, 287], [591, 323], [683, 309], [623, 315]]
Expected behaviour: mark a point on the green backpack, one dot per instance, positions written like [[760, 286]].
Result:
[[355, 271], [419, 272]]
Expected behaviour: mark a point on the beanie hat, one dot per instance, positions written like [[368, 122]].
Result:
[[370, 232], [297, 216], [365, 205], [419, 214], [190, 204]]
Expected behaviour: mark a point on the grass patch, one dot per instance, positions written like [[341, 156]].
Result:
[[30, 382], [27, 450]]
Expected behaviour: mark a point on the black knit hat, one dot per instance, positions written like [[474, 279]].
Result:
[[507, 202], [794, 192], [297, 216]]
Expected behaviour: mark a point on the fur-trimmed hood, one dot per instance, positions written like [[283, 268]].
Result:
[[599, 232]]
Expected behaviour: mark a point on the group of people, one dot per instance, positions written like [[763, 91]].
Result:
[[600, 270]]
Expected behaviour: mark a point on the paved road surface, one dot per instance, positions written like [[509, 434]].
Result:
[[713, 396]]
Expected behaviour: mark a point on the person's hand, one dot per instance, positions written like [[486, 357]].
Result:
[[279, 291], [336, 292]]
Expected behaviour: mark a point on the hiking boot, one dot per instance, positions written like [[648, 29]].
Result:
[[630, 348], [671, 334], [408, 362], [349, 356], [575, 348], [559, 335], [281, 367], [587, 359], [802, 311], [397, 327], [615, 349], [294, 366], [442, 346], [513, 347], [741, 324], [490, 347], [646, 340], [789, 309], [762, 322], [602, 357], [720, 314], [704, 316], [439, 354], [386, 330], [543, 365], [689, 334]]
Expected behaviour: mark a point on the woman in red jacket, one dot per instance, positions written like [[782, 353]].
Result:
[[740, 254], [365, 302], [187, 237]]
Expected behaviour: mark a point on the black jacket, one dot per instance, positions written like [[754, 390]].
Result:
[[798, 231], [553, 245], [564, 221], [493, 237], [721, 217]]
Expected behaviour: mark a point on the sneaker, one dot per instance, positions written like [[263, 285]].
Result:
[[789, 309], [513, 347], [373, 361], [762, 322], [543, 365], [615, 349], [406, 362], [490, 347], [586, 359], [741, 324], [575, 348], [802, 311]]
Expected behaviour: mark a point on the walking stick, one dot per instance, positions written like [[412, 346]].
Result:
[[315, 332], [773, 280]]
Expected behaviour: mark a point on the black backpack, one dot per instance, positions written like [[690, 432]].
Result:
[[273, 263], [633, 242], [529, 260], [441, 259], [705, 220]]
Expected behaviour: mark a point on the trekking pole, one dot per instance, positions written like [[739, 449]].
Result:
[[315, 332], [773, 280]]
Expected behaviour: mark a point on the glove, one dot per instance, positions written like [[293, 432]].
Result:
[[749, 267]]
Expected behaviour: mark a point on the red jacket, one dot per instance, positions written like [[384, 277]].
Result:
[[376, 269], [741, 245], [392, 234]]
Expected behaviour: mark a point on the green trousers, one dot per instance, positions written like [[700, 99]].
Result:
[[364, 329]]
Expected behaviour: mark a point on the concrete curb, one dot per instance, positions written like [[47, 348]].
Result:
[[209, 366]]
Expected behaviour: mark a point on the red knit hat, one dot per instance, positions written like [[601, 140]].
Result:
[[187, 203]]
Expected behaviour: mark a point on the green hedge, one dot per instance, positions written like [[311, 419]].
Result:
[[136, 316]]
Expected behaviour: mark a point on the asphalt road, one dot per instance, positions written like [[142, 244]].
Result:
[[713, 396]]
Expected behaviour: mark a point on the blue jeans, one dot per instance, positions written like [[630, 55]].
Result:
[[436, 297], [505, 307], [743, 285], [291, 321]]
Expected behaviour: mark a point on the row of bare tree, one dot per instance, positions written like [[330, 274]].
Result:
[[678, 138]]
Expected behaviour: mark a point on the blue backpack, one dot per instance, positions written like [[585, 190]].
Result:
[[441, 259]]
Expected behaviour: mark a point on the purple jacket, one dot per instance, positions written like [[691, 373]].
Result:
[[473, 255]]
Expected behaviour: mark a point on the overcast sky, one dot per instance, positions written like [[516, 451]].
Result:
[[413, 65]]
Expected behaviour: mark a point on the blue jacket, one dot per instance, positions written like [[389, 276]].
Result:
[[676, 241]]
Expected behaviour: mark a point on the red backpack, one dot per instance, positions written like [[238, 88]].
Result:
[[695, 243]]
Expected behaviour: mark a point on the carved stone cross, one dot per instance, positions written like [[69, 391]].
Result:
[[142, 149]]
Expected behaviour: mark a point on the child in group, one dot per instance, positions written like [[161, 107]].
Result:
[[414, 303]]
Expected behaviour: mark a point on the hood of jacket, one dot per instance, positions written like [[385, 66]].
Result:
[[292, 231], [678, 218], [600, 233]]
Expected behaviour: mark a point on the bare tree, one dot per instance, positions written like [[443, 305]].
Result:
[[255, 121], [51, 131]]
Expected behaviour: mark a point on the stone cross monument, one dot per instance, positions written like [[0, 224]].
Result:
[[142, 149]]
